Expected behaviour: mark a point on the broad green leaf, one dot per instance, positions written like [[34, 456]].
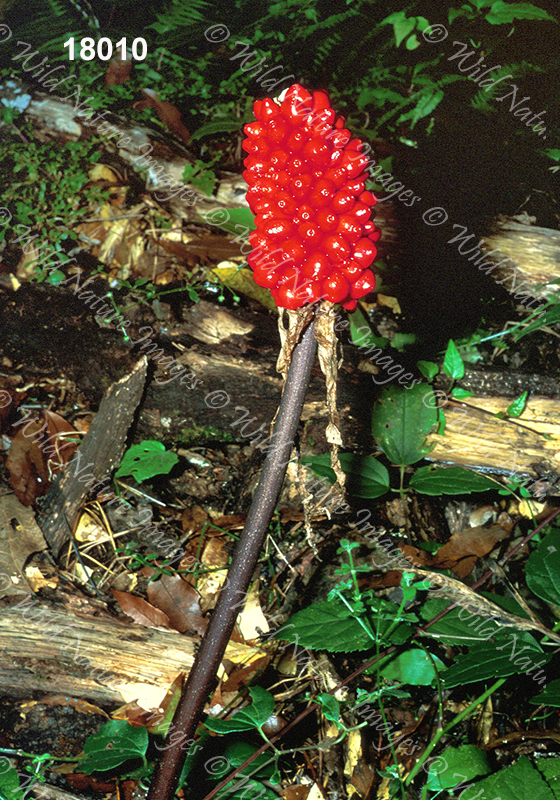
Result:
[[457, 764], [401, 25], [429, 369], [461, 394], [238, 220], [501, 12], [449, 480], [460, 626], [452, 362], [543, 569], [327, 626], [521, 781], [509, 654], [255, 715], [401, 420], [516, 408], [550, 769], [237, 753], [115, 743], [241, 788], [145, 460], [412, 42], [550, 696], [366, 476], [9, 781], [329, 706], [413, 667]]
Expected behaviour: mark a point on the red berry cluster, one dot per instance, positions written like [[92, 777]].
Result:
[[314, 236]]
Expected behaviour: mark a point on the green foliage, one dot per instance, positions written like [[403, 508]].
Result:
[[452, 362], [401, 421], [520, 781], [412, 667], [449, 480], [9, 782], [44, 184], [543, 569], [145, 460], [456, 765], [116, 743], [366, 477], [254, 716]]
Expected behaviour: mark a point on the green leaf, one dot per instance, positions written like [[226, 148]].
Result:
[[543, 569], [429, 369], [366, 476], [550, 317], [427, 100], [457, 764], [238, 218], [459, 626], [360, 332], [327, 625], [550, 769], [461, 394], [508, 654], [449, 480], [145, 460], [520, 781], [218, 126], [115, 743], [412, 667], [516, 408], [401, 25], [401, 420], [550, 696], [501, 12], [452, 362], [9, 782], [237, 753], [254, 716], [412, 42], [237, 790], [329, 706]]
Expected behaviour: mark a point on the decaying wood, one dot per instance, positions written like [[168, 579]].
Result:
[[167, 161], [99, 453], [532, 253], [49, 649], [474, 437]]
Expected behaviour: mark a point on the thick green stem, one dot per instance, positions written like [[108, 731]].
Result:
[[203, 673]]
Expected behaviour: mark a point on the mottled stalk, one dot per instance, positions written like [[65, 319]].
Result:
[[202, 676]]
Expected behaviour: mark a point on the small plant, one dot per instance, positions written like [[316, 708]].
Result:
[[146, 460]]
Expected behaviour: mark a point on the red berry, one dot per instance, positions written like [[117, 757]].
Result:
[[363, 285], [327, 221], [349, 227], [278, 229], [317, 267], [335, 287], [336, 247], [342, 202], [364, 252], [310, 232]]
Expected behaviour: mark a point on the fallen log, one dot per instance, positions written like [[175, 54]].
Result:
[[46, 648], [475, 437], [526, 256]]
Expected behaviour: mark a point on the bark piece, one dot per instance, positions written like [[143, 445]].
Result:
[[100, 452]]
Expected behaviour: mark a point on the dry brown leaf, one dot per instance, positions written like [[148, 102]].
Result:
[[20, 537], [27, 465], [118, 71], [141, 612], [167, 112], [180, 601], [462, 550]]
